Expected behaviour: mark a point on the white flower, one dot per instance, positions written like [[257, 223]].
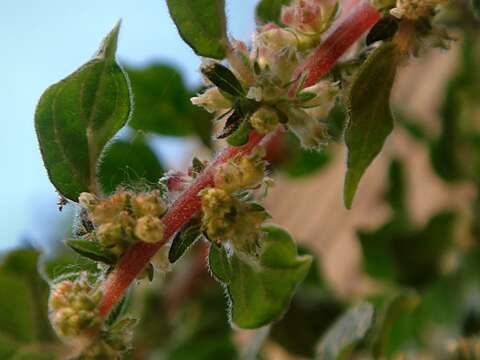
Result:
[[211, 100]]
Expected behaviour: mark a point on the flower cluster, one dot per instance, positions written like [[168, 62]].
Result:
[[125, 218], [225, 217], [414, 9], [264, 97], [73, 308]]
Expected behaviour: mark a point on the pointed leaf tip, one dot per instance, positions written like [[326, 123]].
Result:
[[108, 47]]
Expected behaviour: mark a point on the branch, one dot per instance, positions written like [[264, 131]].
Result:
[[349, 29]]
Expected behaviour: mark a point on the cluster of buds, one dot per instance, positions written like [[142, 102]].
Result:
[[244, 172], [224, 216], [414, 9], [124, 218], [73, 308], [264, 97], [465, 348]]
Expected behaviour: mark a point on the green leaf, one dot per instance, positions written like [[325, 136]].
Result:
[[219, 264], [269, 10], [90, 249], [260, 289], [162, 104], [32, 355], [184, 238], [384, 29], [347, 333], [202, 25], [77, 116], [223, 78], [129, 163], [312, 310], [371, 119], [240, 136], [396, 307], [18, 318], [475, 4]]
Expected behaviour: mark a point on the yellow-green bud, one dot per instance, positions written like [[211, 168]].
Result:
[[108, 209], [73, 307], [241, 173], [264, 120], [148, 204], [149, 229], [88, 200], [224, 218]]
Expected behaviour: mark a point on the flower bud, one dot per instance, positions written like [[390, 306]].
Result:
[[310, 17], [149, 229], [264, 120], [148, 204], [322, 94], [108, 209], [242, 173], [73, 307], [211, 100], [413, 9], [87, 200]]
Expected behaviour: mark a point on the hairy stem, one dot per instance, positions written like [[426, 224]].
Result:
[[349, 29]]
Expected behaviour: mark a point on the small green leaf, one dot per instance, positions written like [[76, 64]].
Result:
[[475, 4], [184, 238], [90, 249], [371, 119], [260, 289], [129, 163], [346, 333], [202, 25], [384, 29], [223, 78], [240, 136], [269, 10], [77, 116], [218, 263]]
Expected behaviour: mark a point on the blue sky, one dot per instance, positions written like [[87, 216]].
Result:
[[43, 41]]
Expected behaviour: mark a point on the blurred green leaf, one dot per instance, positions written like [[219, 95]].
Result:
[[451, 153], [371, 119], [77, 116], [22, 264], [312, 310], [184, 238], [393, 309], [408, 256], [127, 163], [202, 25], [162, 104], [298, 161], [269, 10], [260, 289], [347, 333], [90, 249], [17, 320]]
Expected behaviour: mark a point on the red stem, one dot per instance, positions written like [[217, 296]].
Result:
[[348, 29], [342, 36]]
